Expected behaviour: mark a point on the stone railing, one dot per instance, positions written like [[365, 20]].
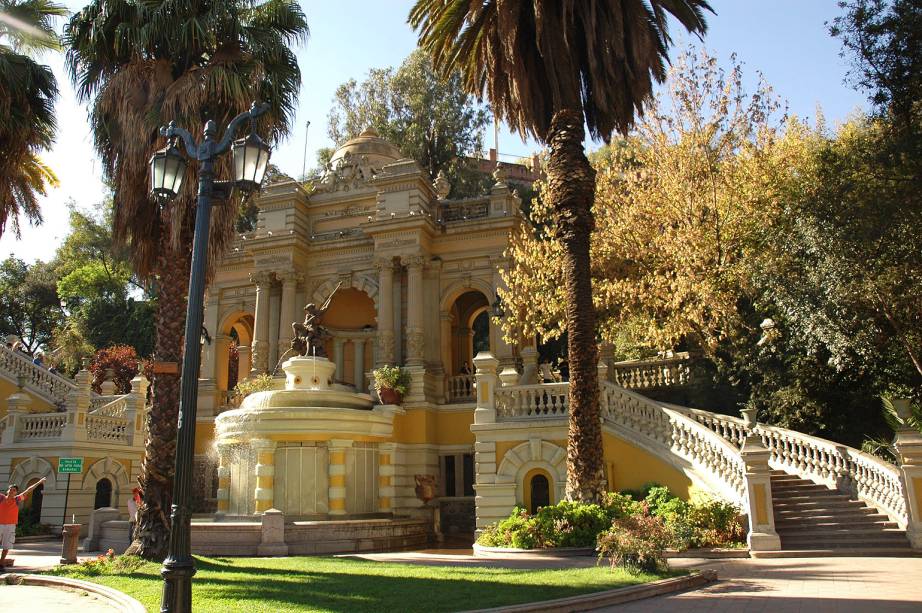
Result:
[[839, 466], [107, 429], [460, 388], [109, 406], [40, 426], [526, 401], [652, 373], [712, 456], [53, 388], [461, 211]]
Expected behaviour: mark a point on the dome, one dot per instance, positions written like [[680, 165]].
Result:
[[376, 150]]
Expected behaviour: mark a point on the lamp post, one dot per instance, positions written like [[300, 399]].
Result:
[[167, 166]]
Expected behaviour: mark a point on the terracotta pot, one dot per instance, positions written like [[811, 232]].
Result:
[[390, 396]]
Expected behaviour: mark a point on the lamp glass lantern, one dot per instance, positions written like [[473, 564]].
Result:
[[167, 168], [251, 158]]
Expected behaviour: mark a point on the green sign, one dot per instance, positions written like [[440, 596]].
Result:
[[70, 465]]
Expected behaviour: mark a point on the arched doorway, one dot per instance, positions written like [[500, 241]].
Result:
[[103, 494], [32, 505], [470, 330], [233, 359], [540, 489]]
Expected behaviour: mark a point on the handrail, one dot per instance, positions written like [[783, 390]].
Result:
[[651, 373], [107, 428], [110, 406], [460, 387], [52, 387], [41, 426], [530, 401]]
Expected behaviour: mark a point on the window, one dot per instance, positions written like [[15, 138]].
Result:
[[103, 494], [457, 478]]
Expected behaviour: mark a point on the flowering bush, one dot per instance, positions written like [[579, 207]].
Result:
[[391, 377], [122, 360], [636, 543]]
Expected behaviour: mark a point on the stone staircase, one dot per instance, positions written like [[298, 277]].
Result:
[[813, 519]]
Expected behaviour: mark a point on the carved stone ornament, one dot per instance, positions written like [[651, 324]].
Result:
[[425, 487], [350, 172], [441, 185]]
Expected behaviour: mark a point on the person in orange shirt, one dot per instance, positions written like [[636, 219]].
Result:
[[9, 515]]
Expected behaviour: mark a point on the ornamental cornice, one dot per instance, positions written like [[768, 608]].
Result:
[[261, 277], [413, 260]]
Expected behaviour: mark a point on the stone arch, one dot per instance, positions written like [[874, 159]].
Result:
[[114, 471], [535, 454], [242, 320], [34, 468], [459, 287], [361, 282]]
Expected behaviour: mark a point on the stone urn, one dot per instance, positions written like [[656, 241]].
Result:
[[425, 487]]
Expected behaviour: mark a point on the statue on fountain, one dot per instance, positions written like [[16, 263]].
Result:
[[309, 336]]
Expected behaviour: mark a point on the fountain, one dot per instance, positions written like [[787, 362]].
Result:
[[317, 454]]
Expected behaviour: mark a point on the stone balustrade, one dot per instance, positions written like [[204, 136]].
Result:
[[652, 373], [45, 383], [461, 388], [42, 426], [527, 401], [733, 456]]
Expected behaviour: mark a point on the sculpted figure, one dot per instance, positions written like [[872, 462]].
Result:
[[309, 336]]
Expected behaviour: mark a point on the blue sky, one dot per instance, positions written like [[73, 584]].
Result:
[[784, 39]]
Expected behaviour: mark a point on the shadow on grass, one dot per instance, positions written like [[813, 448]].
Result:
[[293, 584]]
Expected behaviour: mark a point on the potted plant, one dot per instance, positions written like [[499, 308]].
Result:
[[391, 383]]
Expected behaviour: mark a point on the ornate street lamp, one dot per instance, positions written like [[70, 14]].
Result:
[[166, 168]]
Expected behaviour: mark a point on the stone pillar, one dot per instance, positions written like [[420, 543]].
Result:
[[78, 403], [272, 542], [289, 312], [337, 476], [530, 374], [386, 475], [264, 450], [260, 364], [385, 268], [223, 495], [244, 362], [210, 352], [908, 445], [415, 329], [136, 409], [446, 342], [359, 368], [485, 365], [500, 348], [762, 535], [17, 404], [339, 358]]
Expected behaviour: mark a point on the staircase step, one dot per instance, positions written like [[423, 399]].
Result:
[[839, 531], [845, 540], [828, 524], [808, 496], [880, 552], [806, 487], [823, 503]]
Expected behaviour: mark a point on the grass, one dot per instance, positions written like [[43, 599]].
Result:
[[226, 585]]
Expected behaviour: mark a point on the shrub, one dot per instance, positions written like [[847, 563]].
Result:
[[636, 543], [110, 564], [391, 377], [122, 360], [716, 523], [571, 524], [619, 505], [259, 383]]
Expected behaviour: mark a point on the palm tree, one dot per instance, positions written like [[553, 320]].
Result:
[[548, 67], [141, 64], [27, 94]]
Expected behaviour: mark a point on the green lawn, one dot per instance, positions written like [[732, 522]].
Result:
[[224, 585]]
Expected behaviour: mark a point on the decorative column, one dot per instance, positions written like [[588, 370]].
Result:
[[415, 330], [386, 473], [385, 268], [264, 450], [908, 445], [289, 313], [210, 352], [135, 410], [762, 535], [78, 404], [223, 494], [336, 494], [358, 345], [244, 361], [260, 364], [339, 357], [500, 348]]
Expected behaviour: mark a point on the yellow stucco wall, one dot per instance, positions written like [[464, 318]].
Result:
[[423, 426], [7, 389]]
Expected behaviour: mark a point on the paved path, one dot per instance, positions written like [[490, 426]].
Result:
[[799, 585], [30, 557], [40, 599]]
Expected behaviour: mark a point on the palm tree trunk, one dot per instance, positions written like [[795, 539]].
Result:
[[152, 533], [571, 190]]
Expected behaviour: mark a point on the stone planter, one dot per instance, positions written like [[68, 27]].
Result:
[[480, 551]]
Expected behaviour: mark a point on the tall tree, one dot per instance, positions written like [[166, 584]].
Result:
[[549, 67], [29, 304], [27, 94], [431, 119], [142, 64]]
